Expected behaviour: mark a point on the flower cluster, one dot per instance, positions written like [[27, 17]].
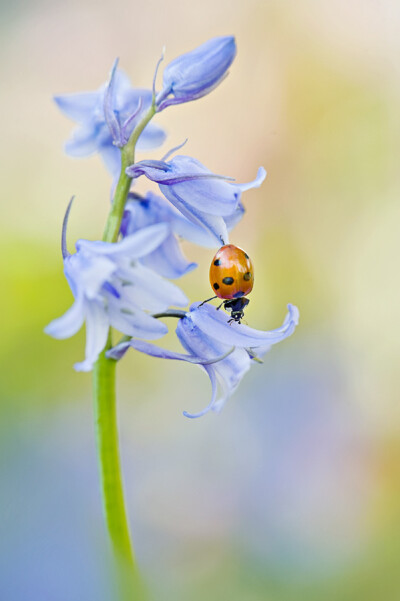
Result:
[[123, 281]]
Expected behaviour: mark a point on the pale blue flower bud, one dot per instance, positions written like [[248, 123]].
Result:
[[196, 73]]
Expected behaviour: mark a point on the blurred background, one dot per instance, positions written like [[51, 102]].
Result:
[[292, 492]]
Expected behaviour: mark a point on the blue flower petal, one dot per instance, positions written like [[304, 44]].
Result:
[[168, 260], [156, 351], [152, 137], [134, 246], [229, 375], [112, 289], [212, 224], [210, 364], [235, 217], [111, 116], [111, 156], [93, 134], [215, 324], [88, 273], [144, 288], [211, 193], [78, 107], [68, 324], [196, 185], [211, 374], [256, 183], [206, 199], [97, 326], [134, 322], [195, 231], [83, 142]]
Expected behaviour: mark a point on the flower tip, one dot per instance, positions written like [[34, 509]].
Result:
[[196, 415], [83, 366], [294, 313], [114, 66], [48, 329], [261, 175], [231, 42], [63, 103], [189, 415]]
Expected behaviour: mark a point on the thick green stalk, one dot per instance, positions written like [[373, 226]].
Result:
[[108, 456], [104, 398]]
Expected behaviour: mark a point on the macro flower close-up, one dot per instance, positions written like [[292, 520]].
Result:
[[201, 196], [196, 73], [111, 288], [205, 333], [92, 134], [199, 391]]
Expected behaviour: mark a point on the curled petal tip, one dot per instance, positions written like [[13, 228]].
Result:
[[173, 150], [294, 313], [195, 415], [64, 249]]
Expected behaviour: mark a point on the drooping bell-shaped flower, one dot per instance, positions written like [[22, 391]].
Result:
[[114, 102], [196, 73], [167, 259], [205, 333], [111, 288], [208, 200]]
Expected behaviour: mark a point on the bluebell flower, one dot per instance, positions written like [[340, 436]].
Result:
[[94, 134], [196, 73], [111, 288], [167, 259], [207, 200], [205, 334]]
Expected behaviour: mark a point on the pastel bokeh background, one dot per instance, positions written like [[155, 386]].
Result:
[[292, 492]]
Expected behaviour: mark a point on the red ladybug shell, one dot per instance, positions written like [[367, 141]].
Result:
[[231, 273]]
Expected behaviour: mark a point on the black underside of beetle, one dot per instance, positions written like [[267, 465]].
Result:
[[236, 306]]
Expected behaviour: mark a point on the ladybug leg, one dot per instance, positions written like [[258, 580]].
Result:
[[207, 300], [219, 306]]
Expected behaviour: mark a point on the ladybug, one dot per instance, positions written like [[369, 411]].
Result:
[[232, 279]]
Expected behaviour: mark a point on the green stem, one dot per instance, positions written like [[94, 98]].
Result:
[[108, 457], [113, 224], [111, 231], [104, 398]]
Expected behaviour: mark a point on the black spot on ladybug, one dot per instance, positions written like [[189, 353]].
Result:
[[238, 294], [217, 262], [247, 276], [228, 281], [215, 286], [246, 255]]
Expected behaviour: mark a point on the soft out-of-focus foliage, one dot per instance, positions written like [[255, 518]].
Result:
[[292, 492]]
